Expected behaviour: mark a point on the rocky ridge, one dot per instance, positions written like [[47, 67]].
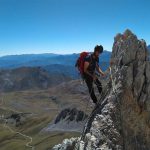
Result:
[[122, 120]]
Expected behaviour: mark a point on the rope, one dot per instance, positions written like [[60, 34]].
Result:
[[113, 83], [13, 131]]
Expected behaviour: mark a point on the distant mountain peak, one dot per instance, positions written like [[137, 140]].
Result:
[[25, 78]]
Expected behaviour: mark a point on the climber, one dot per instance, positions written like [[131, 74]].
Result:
[[91, 65]]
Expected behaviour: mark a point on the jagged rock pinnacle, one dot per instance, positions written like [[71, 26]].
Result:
[[123, 121]]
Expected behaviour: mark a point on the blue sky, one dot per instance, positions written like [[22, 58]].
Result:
[[68, 26]]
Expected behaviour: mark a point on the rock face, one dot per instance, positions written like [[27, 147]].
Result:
[[122, 119], [17, 119], [71, 115], [68, 144], [69, 119]]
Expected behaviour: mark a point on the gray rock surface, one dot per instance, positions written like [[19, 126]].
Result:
[[122, 119], [67, 144], [69, 119]]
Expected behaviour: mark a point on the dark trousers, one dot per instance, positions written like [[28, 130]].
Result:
[[89, 81]]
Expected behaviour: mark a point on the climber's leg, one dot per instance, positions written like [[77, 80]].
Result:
[[99, 85], [89, 82]]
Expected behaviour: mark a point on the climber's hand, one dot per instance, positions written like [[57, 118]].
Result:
[[103, 74]]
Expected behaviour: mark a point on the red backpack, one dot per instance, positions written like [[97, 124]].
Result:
[[80, 62]]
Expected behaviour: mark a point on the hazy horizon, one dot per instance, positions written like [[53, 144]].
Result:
[[45, 53]]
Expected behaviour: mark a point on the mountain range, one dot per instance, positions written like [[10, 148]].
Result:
[[62, 65], [25, 78], [48, 60], [14, 61]]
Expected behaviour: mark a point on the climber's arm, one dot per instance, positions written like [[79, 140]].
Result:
[[99, 70]]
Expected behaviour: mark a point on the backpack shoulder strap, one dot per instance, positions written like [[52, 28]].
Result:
[[90, 59]]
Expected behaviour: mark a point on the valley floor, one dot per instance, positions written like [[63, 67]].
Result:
[[38, 108]]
